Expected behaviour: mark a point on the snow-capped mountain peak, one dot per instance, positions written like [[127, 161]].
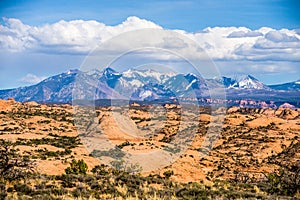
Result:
[[138, 84], [250, 82], [109, 72], [73, 71], [148, 74], [246, 82]]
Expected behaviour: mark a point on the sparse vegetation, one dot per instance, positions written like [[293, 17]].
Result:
[[13, 166], [57, 141], [256, 156], [115, 153]]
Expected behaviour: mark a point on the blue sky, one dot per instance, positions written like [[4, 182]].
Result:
[[188, 15], [273, 56]]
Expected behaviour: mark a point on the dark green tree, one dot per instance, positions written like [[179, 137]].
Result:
[[77, 167]]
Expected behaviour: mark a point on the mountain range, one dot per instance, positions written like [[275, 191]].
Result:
[[147, 85]]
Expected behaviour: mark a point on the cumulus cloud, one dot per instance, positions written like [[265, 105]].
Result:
[[173, 43], [240, 43], [239, 34], [75, 36], [220, 43], [276, 36], [31, 79]]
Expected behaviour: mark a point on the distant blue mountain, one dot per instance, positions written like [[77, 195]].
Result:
[[142, 85], [53, 89], [287, 86]]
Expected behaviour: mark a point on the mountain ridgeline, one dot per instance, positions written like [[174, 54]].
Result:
[[148, 85]]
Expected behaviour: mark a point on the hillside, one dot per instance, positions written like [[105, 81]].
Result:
[[252, 144]]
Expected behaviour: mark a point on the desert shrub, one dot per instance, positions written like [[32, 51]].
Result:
[[116, 153], [58, 141], [284, 181], [44, 153], [124, 144], [59, 191], [2, 187], [101, 170], [68, 180], [192, 193], [13, 166], [167, 174], [89, 179], [23, 188], [3, 194], [77, 167], [40, 186], [81, 192], [122, 166], [56, 192]]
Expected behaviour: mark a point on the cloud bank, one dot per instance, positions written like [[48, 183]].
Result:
[[220, 43], [31, 79]]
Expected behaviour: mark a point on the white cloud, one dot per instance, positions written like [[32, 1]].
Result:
[[239, 34], [220, 43], [75, 36], [277, 36], [173, 43], [232, 43], [31, 79]]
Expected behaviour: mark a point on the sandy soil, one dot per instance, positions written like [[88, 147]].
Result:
[[248, 137]]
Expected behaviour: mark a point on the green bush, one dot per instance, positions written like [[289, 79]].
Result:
[[77, 167], [101, 170], [284, 182]]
